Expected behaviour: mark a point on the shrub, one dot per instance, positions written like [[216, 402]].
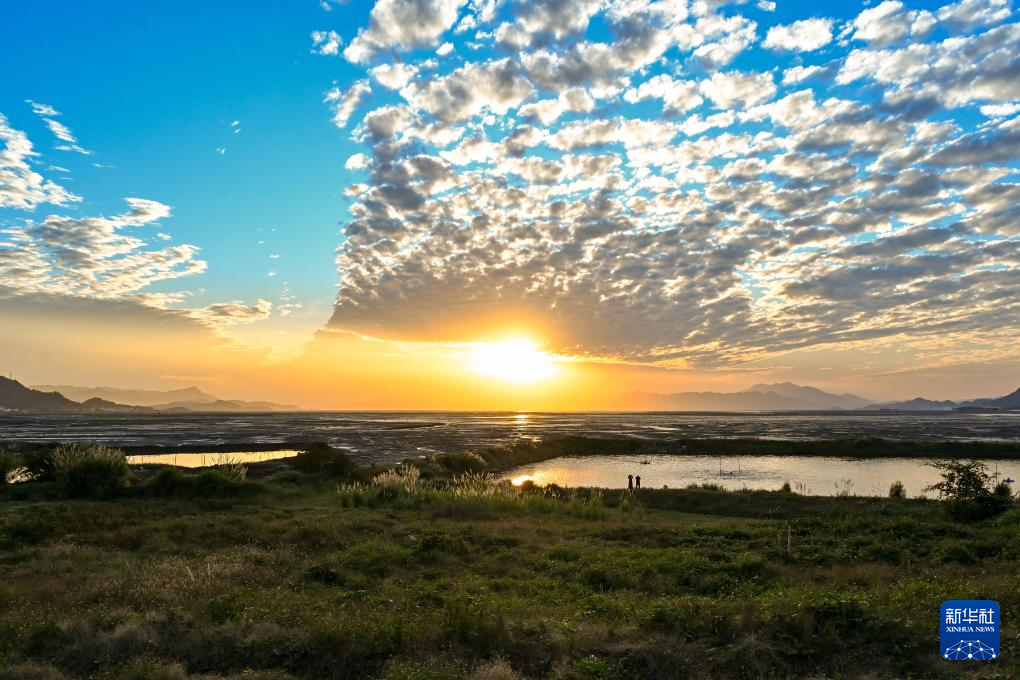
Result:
[[960, 553], [323, 459], [39, 463], [447, 466], [454, 464], [593, 668], [233, 468], [1003, 490], [965, 488], [897, 490], [288, 477], [89, 470], [494, 670], [785, 488], [171, 482], [11, 467]]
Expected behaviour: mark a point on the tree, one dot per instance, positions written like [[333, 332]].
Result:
[[966, 487]]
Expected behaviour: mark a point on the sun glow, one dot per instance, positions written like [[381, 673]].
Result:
[[518, 361]]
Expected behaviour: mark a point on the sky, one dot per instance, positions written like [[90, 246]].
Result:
[[500, 204]]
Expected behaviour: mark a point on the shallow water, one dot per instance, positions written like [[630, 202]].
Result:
[[817, 476], [389, 437], [196, 460]]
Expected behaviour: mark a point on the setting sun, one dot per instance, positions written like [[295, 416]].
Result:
[[518, 361]]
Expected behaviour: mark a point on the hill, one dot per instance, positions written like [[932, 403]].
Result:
[[916, 404], [129, 396], [184, 399], [1010, 402], [812, 395], [225, 406], [762, 397], [16, 397]]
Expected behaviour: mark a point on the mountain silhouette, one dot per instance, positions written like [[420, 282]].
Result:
[[184, 399], [761, 397], [16, 397]]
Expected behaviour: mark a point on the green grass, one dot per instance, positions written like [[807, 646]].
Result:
[[414, 576]]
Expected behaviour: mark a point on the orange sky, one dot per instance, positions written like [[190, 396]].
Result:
[[92, 344]]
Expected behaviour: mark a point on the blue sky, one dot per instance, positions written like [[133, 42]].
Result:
[[152, 89], [699, 186]]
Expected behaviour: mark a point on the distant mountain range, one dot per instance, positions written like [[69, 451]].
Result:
[[775, 397], [917, 404], [1010, 402], [128, 396], [185, 399], [16, 397], [761, 397], [73, 399], [790, 397]]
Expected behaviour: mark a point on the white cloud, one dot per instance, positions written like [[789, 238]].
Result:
[[798, 74], [232, 313], [20, 186], [44, 110], [59, 130], [326, 42], [358, 161], [678, 96], [444, 49], [394, 76], [889, 22], [94, 257], [800, 36], [344, 103], [738, 90], [1000, 110], [574, 100], [970, 14], [403, 24], [730, 36], [495, 86], [858, 208]]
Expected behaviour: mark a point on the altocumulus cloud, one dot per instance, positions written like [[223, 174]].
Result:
[[106, 260], [632, 188]]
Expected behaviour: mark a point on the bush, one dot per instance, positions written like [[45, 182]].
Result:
[[1003, 490], [447, 466], [38, 462], [89, 470], [897, 490], [965, 487], [172, 483], [497, 669], [10, 467], [323, 459]]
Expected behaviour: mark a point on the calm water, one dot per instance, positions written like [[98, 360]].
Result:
[[808, 475], [388, 437], [196, 460]]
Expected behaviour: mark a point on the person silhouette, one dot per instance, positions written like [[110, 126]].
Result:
[[637, 481], [630, 482]]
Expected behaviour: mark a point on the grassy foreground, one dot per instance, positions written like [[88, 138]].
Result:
[[417, 576]]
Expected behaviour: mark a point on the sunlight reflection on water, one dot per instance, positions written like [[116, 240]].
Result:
[[812, 475], [194, 460]]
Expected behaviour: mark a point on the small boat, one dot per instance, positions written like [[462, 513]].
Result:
[[1009, 480]]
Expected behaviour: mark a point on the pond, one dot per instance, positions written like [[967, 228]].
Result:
[[196, 460], [810, 475]]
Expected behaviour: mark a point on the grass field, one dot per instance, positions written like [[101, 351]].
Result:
[[300, 576]]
